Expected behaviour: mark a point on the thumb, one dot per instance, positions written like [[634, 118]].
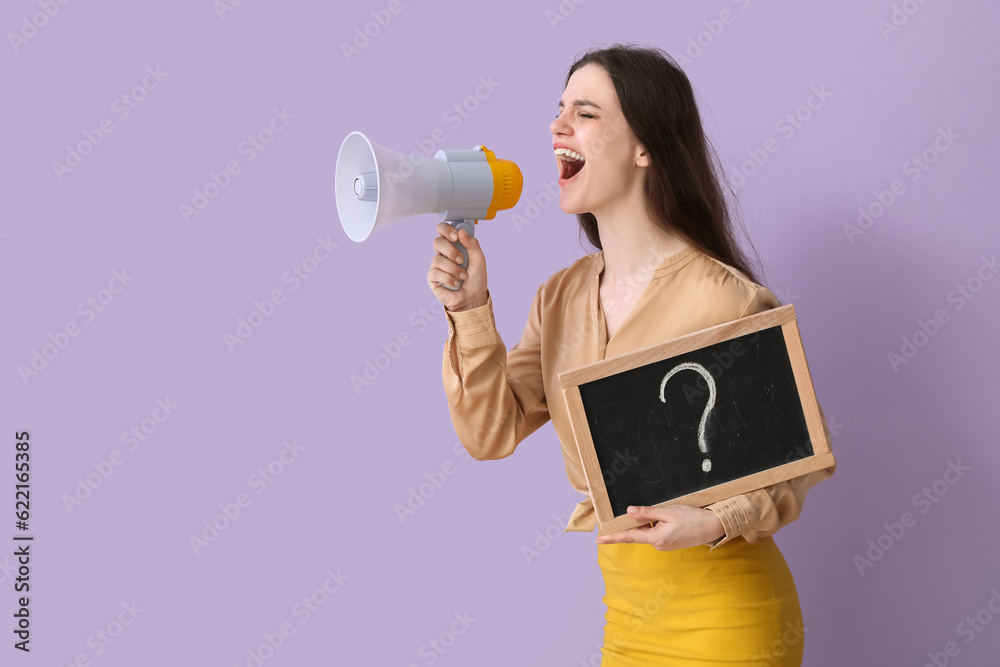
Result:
[[644, 513], [471, 244]]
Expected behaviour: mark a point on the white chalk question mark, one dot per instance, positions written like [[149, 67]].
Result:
[[706, 465]]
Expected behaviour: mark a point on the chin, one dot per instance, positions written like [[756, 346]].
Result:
[[572, 208], [569, 204]]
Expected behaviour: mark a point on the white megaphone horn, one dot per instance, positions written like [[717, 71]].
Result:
[[376, 186]]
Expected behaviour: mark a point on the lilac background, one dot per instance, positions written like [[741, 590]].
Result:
[[333, 507]]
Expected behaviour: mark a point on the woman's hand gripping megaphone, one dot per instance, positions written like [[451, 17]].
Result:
[[458, 270]]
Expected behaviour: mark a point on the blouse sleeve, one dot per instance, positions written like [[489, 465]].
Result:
[[762, 512], [496, 398]]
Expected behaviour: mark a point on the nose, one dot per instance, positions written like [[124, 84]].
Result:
[[559, 126]]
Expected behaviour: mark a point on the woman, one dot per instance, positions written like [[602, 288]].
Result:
[[697, 586]]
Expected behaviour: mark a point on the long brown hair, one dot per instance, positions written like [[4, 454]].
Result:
[[683, 188]]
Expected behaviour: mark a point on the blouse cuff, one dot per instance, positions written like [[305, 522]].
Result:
[[736, 514], [474, 327]]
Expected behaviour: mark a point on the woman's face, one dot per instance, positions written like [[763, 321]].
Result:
[[591, 123]]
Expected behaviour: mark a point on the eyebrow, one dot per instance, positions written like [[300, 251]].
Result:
[[580, 103]]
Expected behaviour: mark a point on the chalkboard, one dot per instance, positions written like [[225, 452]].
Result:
[[699, 418]]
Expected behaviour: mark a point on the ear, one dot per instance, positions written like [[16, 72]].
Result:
[[642, 157]]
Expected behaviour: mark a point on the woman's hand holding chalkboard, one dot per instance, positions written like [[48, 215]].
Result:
[[446, 267], [673, 527]]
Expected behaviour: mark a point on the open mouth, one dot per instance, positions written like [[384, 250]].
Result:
[[571, 164]]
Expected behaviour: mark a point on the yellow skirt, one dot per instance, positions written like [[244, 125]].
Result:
[[736, 605]]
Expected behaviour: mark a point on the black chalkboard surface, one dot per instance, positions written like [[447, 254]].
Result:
[[697, 419]]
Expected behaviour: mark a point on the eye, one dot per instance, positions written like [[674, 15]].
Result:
[[586, 115]]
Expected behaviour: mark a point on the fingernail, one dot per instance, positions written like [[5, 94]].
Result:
[[454, 236], [463, 275], [631, 509]]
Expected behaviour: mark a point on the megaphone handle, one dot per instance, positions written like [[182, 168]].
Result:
[[470, 227]]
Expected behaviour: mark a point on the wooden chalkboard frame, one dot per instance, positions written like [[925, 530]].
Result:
[[784, 317]]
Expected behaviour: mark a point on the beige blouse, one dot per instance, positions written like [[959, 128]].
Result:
[[497, 397]]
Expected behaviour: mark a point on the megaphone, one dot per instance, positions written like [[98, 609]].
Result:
[[376, 186]]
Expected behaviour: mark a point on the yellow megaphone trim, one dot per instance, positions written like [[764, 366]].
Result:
[[507, 183]]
